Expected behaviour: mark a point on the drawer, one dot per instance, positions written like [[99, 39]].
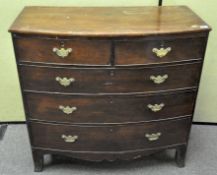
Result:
[[55, 51], [109, 109], [109, 80], [110, 138], [159, 51]]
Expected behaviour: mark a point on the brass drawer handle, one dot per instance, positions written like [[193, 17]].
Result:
[[65, 81], [159, 78], [153, 136], [62, 52], [67, 109], [69, 138], [156, 107], [162, 52]]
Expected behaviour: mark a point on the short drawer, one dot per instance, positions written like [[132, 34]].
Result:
[[110, 138], [95, 80], [159, 51], [109, 109], [71, 51]]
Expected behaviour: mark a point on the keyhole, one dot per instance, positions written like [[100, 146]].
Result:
[[112, 73], [62, 43]]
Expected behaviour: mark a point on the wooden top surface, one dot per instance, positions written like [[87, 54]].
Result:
[[107, 21]]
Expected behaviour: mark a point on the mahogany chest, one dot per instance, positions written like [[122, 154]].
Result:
[[107, 83]]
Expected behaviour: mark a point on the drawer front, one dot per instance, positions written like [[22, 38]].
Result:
[[159, 51], [74, 51], [109, 80], [109, 109], [110, 138]]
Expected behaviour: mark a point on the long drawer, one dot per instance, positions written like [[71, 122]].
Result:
[[159, 51], [109, 109], [113, 80], [63, 51], [110, 138]]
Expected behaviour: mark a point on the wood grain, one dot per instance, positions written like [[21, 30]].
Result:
[[113, 80], [139, 52], [111, 62], [107, 21], [95, 52], [110, 138], [109, 109]]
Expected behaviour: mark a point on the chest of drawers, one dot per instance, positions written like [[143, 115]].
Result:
[[109, 83]]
